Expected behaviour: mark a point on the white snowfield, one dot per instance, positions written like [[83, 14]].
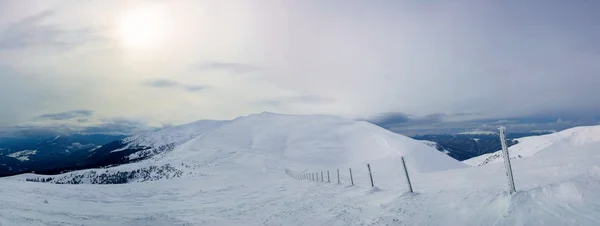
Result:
[[237, 177], [563, 141]]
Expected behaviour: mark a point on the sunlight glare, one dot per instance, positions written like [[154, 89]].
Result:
[[143, 28]]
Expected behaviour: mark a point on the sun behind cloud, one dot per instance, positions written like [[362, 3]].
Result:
[[144, 28]]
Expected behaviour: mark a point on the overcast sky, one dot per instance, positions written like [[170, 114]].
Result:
[[99, 61]]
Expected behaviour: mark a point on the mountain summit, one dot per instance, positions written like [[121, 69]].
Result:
[[265, 141]]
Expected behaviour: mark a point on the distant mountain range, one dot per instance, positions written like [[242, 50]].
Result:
[[40, 153], [59, 154], [464, 146], [570, 139]]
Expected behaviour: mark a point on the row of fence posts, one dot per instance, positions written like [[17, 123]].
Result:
[[321, 178], [505, 155]]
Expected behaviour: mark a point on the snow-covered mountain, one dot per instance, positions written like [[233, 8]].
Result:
[[565, 140], [234, 173], [276, 141]]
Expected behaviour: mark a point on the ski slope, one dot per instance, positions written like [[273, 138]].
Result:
[[565, 140], [234, 175]]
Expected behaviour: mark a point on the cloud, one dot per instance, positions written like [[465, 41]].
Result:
[[297, 99], [471, 60], [237, 68], [121, 126], [460, 114], [433, 118], [117, 126], [439, 123], [194, 88], [22, 131], [164, 83], [32, 31], [161, 83], [66, 115], [310, 99]]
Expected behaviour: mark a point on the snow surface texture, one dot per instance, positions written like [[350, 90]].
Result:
[[237, 177], [565, 140]]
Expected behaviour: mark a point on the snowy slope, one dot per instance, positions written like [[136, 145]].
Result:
[[153, 143], [174, 135], [270, 141], [435, 145], [235, 175], [528, 146], [321, 141]]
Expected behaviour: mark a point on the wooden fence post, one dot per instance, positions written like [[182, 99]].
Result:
[[351, 179], [507, 165], [406, 173], [370, 175]]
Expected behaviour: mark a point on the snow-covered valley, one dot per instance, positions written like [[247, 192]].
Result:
[[233, 173]]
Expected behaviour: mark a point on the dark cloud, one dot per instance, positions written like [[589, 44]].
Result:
[[66, 115], [114, 126], [432, 118], [23, 131], [465, 114], [33, 32], [392, 119], [438, 124], [164, 83], [161, 83], [194, 88], [237, 68]]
